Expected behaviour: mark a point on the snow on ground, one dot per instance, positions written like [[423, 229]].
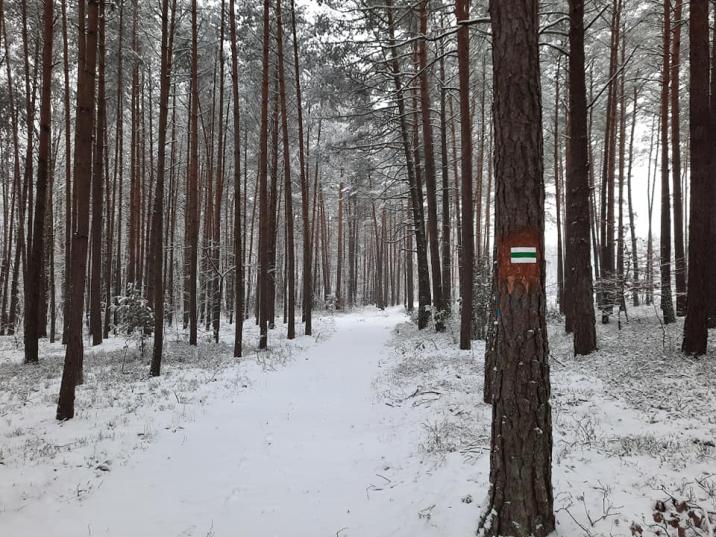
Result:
[[370, 429], [634, 423]]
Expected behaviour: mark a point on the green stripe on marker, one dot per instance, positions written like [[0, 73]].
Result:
[[523, 254]]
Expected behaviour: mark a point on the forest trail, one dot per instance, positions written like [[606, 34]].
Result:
[[305, 451]]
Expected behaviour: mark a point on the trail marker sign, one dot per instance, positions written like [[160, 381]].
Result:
[[523, 254]]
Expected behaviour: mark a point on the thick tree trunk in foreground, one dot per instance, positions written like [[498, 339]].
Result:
[[520, 498], [695, 325], [578, 273]]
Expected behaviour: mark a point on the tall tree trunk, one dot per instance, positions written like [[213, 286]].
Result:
[[578, 284], [712, 163], [238, 227], [68, 174], [134, 200], [632, 228], [98, 193], [82, 179], [339, 249], [679, 254], [619, 291], [462, 13], [607, 288], [37, 231], [520, 498], [288, 193], [119, 158], [667, 306], [192, 196], [263, 276], [424, 299], [651, 187], [558, 198], [430, 173], [218, 280], [157, 271], [307, 268], [445, 238], [700, 271]]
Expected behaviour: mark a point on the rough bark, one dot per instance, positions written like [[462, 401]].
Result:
[[695, 325], [520, 500], [578, 281], [82, 179]]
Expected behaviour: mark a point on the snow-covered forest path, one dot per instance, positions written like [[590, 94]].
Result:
[[307, 450]]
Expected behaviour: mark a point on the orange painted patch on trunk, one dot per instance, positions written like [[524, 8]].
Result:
[[525, 273]]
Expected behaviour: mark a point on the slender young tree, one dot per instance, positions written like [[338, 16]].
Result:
[[264, 258], [630, 204], [307, 268], [288, 192], [667, 307], [520, 499], [677, 200], [445, 191], [68, 171], [606, 292]]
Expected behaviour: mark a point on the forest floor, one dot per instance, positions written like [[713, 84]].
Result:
[[370, 428]]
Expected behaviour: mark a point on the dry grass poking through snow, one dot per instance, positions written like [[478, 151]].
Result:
[[634, 424]]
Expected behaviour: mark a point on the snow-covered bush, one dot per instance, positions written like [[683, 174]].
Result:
[[133, 316]]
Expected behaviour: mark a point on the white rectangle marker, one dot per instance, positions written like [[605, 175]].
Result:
[[523, 254]]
